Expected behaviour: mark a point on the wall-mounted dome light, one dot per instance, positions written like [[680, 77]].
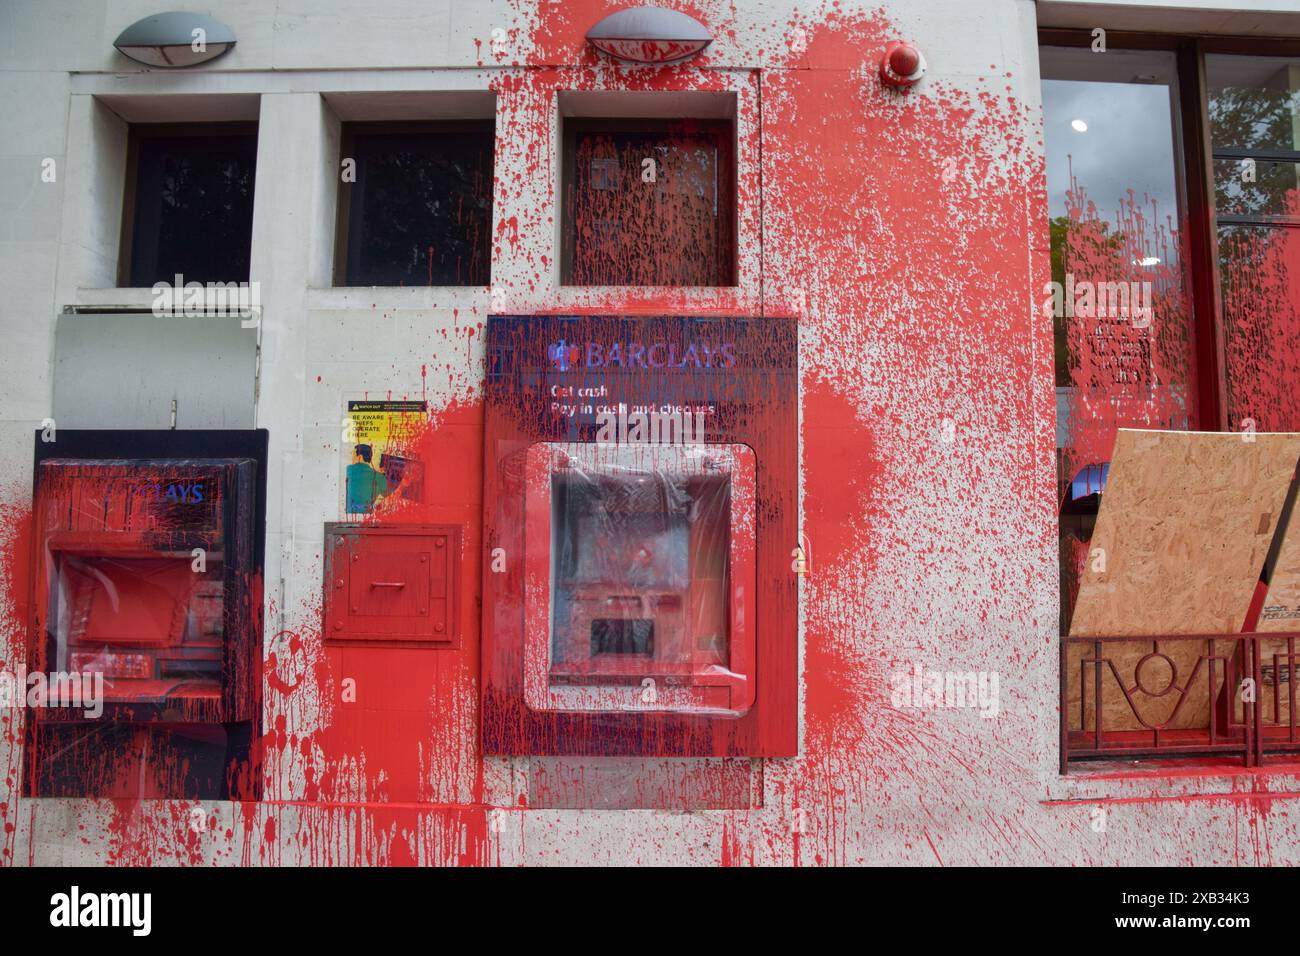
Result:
[[649, 35], [175, 39]]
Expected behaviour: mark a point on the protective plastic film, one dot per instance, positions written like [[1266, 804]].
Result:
[[136, 572], [152, 626], [635, 604], [640, 578]]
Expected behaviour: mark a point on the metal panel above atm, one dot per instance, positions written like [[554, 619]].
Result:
[[139, 370]]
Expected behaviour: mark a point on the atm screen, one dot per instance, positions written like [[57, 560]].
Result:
[[151, 625], [624, 532], [640, 576]]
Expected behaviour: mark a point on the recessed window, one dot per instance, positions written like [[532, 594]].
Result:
[[415, 204], [188, 208], [649, 202], [1119, 297]]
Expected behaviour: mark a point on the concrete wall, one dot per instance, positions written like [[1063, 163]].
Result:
[[908, 233]]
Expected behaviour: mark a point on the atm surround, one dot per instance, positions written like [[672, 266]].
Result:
[[640, 512], [147, 564]]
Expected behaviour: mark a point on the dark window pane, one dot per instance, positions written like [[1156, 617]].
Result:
[[1254, 109], [1256, 189], [420, 211], [1121, 309], [193, 207], [651, 207]]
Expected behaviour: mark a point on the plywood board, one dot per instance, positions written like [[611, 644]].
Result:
[[1279, 657], [1279, 665], [1281, 611], [1185, 525]]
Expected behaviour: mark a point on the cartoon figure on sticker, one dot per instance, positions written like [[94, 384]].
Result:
[[366, 484]]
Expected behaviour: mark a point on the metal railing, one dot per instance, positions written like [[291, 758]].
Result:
[[1179, 694]]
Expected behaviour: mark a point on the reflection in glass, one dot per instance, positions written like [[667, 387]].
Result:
[[1122, 317]]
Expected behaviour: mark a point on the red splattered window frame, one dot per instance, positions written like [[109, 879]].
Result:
[[1215, 385], [646, 213]]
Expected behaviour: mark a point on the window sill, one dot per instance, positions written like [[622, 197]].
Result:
[[390, 298], [720, 300], [1134, 781], [121, 297]]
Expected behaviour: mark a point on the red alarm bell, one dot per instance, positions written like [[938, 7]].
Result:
[[902, 65]]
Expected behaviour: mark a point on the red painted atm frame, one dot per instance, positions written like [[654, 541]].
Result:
[[211, 745], [705, 683], [754, 388]]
